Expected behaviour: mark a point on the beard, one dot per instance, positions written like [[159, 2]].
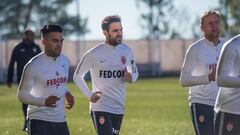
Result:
[[213, 35], [114, 41]]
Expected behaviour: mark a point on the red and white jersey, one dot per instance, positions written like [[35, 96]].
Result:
[[107, 66], [200, 60], [228, 78], [44, 76]]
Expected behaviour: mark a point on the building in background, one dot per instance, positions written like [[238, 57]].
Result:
[[168, 55]]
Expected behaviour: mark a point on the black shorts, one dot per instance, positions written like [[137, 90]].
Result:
[[202, 119], [227, 124], [39, 127], [106, 123]]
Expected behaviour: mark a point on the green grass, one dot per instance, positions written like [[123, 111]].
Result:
[[153, 107]]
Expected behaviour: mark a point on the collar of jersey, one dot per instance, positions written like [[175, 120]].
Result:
[[50, 58], [211, 44], [110, 46]]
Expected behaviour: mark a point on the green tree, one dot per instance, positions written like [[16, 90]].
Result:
[[196, 31], [155, 23], [230, 16], [154, 20], [17, 15]]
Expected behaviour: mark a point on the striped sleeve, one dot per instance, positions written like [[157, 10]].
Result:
[[25, 87], [186, 77], [226, 63], [132, 67], [83, 67]]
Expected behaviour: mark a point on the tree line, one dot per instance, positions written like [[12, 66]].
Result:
[[154, 16]]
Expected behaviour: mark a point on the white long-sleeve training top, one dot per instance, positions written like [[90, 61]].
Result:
[[200, 60], [107, 65], [44, 76], [228, 77]]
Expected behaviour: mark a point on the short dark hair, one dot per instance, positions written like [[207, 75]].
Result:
[[50, 28], [26, 31], [108, 20]]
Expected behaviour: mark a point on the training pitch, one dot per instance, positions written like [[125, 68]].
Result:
[[153, 107]]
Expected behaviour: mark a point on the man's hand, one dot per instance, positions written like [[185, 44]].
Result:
[[127, 76], [9, 85], [51, 101], [212, 75], [70, 100], [95, 96]]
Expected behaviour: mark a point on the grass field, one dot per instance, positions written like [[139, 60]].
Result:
[[153, 107]]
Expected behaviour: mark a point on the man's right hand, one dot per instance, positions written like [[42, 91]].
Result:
[[9, 85], [51, 101], [95, 96], [212, 75]]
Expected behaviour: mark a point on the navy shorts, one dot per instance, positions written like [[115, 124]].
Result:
[[202, 119], [106, 123], [227, 124], [39, 127]]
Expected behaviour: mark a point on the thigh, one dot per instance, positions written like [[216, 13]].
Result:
[[116, 122], [39, 127], [102, 123], [227, 124], [202, 118], [59, 128]]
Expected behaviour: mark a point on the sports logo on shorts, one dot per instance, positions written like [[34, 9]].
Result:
[[123, 60], [201, 118], [229, 126], [102, 120]]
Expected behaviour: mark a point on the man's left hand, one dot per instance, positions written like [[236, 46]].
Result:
[[127, 76], [70, 100]]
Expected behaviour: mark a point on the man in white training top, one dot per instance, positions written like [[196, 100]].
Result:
[[198, 73], [43, 86], [227, 108], [111, 65]]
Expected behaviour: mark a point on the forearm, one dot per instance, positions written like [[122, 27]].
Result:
[[189, 80], [227, 81], [27, 98], [10, 73], [80, 82], [135, 74]]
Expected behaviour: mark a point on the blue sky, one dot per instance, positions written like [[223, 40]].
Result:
[[96, 10]]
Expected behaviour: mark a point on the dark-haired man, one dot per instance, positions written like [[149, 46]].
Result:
[[21, 54], [43, 86], [111, 65]]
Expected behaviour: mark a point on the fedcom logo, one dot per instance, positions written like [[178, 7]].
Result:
[[111, 74], [56, 81]]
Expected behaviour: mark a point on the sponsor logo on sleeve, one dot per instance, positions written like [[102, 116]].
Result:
[[201, 118]]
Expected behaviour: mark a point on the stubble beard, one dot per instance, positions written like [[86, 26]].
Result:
[[114, 41]]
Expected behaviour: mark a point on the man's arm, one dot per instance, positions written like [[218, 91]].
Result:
[[228, 57], [131, 71], [186, 77], [25, 87], [83, 67], [11, 68]]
